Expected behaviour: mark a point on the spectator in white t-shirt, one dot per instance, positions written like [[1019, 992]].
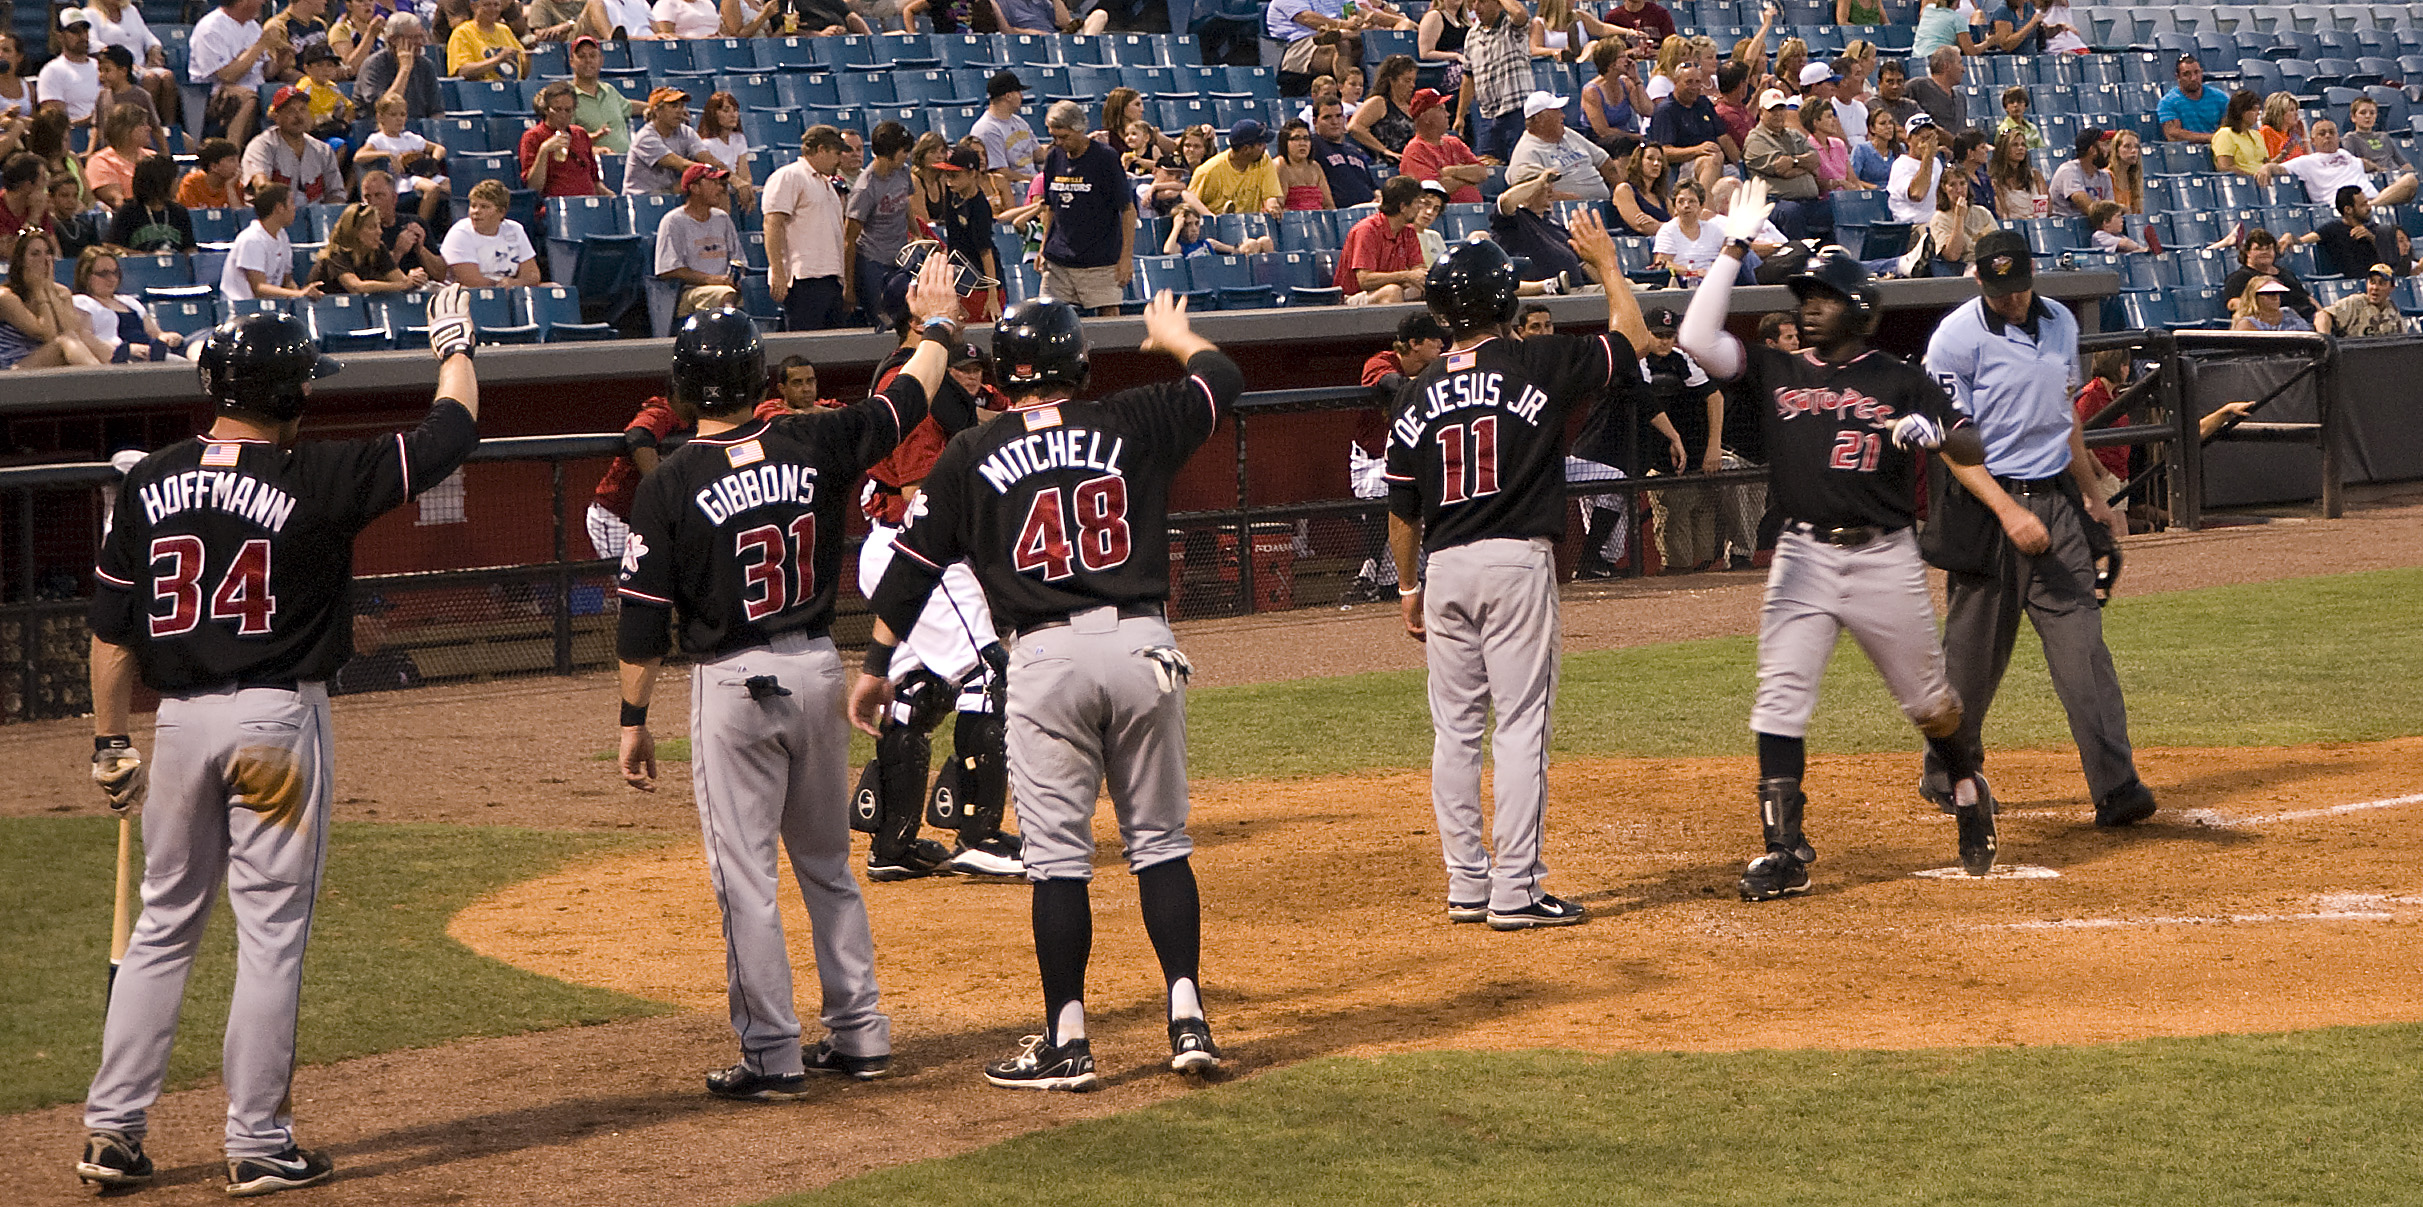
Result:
[[1582, 168], [488, 248], [687, 19], [261, 264], [1010, 149], [226, 52], [2325, 170], [804, 223], [71, 77], [697, 247], [1910, 190], [1686, 245]]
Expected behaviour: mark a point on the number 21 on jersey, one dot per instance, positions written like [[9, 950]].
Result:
[[1098, 541], [1856, 451]]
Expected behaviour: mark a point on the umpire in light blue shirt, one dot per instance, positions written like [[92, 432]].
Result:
[[2010, 360]]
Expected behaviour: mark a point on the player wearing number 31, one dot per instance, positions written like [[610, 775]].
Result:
[[1476, 479], [1841, 422], [225, 583], [740, 532], [1060, 506]]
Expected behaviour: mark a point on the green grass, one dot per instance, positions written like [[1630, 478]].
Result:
[[2320, 1117], [382, 974]]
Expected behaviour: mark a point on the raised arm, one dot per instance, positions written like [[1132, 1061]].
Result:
[[1592, 243]]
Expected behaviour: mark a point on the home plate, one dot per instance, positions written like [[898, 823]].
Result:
[[2002, 871]]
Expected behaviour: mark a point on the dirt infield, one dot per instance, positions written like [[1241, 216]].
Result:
[[1323, 926]]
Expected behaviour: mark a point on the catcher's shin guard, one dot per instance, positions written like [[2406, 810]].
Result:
[[1780, 803], [977, 779], [890, 788]]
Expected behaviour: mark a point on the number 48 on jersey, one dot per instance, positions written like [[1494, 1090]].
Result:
[[1087, 527]]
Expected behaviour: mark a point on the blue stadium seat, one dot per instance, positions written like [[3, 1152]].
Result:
[[556, 311], [2147, 311], [1231, 281], [1094, 80], [907, 52], [343, 322], [1024, 282], [1029, 49], [1082, 48], [647, 211], [1157, 273], [965, 50], [486, 96], [186, 316], [549, 60], [723, 55], [406, 315], [858, 89], [772, 128], [1303, 278], [853, 53], [494, 312], [164, 270], [670, 56], [210, 263], [928, 88], [1141, 50], [752, 90], [1309, 231], [219, 224], [470, 167], [806, 90], [785, 54], [457, 133], [590, 246]]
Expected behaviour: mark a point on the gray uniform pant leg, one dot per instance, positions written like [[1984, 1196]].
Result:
[[769, 769], [1490, 610], [240, 788], [2056, 591], [1084, 706], [1878, 592]]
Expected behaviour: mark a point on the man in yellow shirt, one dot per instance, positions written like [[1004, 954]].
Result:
[[1242, 179], [484, 47]]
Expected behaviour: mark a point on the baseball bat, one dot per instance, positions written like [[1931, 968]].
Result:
[[122, 912]]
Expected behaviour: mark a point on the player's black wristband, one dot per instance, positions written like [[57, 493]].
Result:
[[879, 659], [940, 327], [115, 741], [1740, 245], [634, 714]]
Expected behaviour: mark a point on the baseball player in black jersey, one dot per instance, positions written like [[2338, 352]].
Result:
[[1841, 422], [1060, 506], [224, 584], [739, 531], [1476, 482]]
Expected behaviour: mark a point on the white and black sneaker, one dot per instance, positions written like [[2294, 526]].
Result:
[[996, 855], [1041, 1066], [824, 1058], [289, 1170], [1772, 875], [114, 1159], [1467, 911], [1547, 911], [744, 1084], [923, 857], [1191, 1049]]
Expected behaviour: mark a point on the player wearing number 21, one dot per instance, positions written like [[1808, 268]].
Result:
[[225, 583], [1060, 506], [1476, 480], [740, 533]]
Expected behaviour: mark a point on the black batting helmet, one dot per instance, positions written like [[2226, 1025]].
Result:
[[719, 362], [1040, 340], [1835, 271], [1473, 287], [259, 363]]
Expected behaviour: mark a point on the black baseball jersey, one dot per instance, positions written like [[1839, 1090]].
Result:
[[742, 531], [1829, 437], [1060, 507], [1479, 449], [230, 561]]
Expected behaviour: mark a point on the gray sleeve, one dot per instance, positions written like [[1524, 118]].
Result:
[[378, 71]]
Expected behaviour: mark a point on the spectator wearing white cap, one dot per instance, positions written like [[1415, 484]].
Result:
[[1910, 192], [1817, 81], [71, 77], [1779, 153], [1582, 168]]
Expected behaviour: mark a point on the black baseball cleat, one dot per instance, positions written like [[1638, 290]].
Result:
[[1975, 817], [114, 1159], [1772, 875], [289, 1170], [824, 1058], [744, 1084], [2125, 806], [924, 857], [1191, 1049], [1547, 911], [1040, 1066], [1467, 911]]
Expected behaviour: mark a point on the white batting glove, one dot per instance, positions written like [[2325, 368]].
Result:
[[1170, 667], [1917, 431], [450, 328], [121, 775], [1749, 213]]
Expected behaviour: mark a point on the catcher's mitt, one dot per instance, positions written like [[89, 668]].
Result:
[[965, 277]]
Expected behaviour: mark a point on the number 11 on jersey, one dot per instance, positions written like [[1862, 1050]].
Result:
[[1472, 476]]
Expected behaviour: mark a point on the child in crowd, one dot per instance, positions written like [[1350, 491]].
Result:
[[331, 112], [418, 165], [1143, 152], [2380, 155], [2105, 219], [1187, 238], [2015, 118], [216, 180]]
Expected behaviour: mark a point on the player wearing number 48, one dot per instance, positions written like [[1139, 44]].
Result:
[[224, 582]]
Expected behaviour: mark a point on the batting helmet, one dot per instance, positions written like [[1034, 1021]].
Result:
[[719, 363], [1833, 270], [1473, 287], [1040, 340], [259, 363]]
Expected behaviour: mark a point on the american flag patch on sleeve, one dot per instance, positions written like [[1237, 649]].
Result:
[[1462, 362], [220, 456]]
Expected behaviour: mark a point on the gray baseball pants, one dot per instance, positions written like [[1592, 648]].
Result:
[[240, 792], [1490, 610], [1085, 706], [773, 768], [1816, 591]]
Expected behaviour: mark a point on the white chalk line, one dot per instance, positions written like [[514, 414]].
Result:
[[2005, 871], [2219, 820], [2329, 907]]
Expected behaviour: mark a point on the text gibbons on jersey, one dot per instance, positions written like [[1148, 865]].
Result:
[[747, 489]]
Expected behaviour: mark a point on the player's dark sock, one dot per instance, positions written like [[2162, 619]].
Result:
[[1780, 757], [1173, 917], [1958, 759], [1064, 940]]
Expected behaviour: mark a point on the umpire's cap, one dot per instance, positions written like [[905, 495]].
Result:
[[719, 362], [1473, 287], [1040, 340], [1832, 269], [259, 363]]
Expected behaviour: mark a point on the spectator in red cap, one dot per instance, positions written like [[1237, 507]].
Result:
[[1434, 154], [285, 154], [697, 245]]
